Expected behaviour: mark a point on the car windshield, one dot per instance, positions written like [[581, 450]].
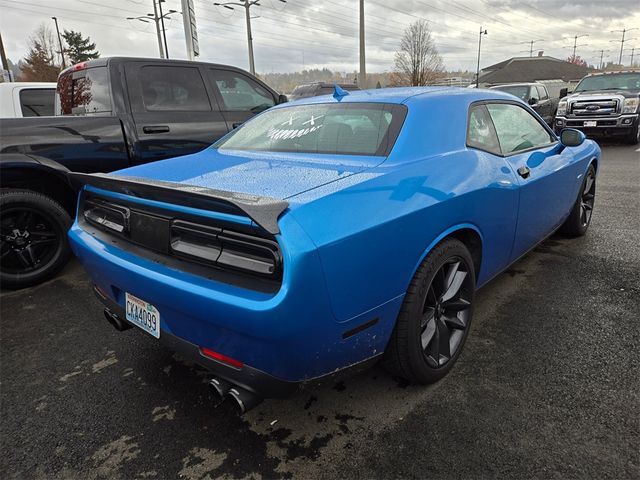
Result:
[[610, 81], [520, 91], [346, 129]]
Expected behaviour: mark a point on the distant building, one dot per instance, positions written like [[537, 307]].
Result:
[[531, 69]]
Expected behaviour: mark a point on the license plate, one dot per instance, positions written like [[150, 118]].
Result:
[[143, 315], [590, 123]]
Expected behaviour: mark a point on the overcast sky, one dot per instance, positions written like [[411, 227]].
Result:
[[307, 33]]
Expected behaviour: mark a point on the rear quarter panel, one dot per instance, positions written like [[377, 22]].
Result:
[[373, 235]]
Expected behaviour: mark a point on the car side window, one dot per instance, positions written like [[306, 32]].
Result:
[[241, 93], [480, 131], [37, 102], [517, 129], [173, 89], [542, 93]]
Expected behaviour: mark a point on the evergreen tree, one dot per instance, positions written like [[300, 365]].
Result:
[[79, 49]]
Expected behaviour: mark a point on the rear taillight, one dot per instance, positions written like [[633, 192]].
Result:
[[111, 216], [225, 248]]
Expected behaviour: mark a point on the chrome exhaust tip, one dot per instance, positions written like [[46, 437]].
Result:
[[244, 399], [219, 387]]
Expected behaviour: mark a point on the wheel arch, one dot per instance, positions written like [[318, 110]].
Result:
[[25, 172], [469, 234]]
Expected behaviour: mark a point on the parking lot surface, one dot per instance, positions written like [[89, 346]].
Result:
[[547, 386]]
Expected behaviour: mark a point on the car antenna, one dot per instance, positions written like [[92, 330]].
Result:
[[339, 92]]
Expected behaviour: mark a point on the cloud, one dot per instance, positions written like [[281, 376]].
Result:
[[310, 34]]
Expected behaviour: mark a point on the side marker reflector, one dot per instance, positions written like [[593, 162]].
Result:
[[221, 358]]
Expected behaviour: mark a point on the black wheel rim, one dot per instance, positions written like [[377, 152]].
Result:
[[587, 198], [446, 312], [29, 240]]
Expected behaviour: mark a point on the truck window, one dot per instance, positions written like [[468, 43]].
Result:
[[240, 93], [37, 102], [83, 92], [172, 88], [542, 93]]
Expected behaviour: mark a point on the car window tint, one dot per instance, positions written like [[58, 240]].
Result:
[[84, 92], [517, 129], [347, 129], [173, 89], [241, 93], [542, 94], [37, 102], [480, 131]]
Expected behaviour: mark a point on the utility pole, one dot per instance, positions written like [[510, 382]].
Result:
[[158, 19], [624, 31], [530, 43], [362, 80], [632, 53], [246, 4], [3, 56], [482, 32], [575, 43], [64, 65], [601, 65]]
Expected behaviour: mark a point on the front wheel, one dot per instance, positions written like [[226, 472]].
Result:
[[435, 317], [33, 238], [579, 219], [633, 137]]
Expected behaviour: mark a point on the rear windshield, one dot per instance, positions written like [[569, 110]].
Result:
[[37, 102], [347, 129], [520, 91], [84, 92]]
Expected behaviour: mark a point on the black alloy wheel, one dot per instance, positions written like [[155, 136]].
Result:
[[435, 317], [33, 244], [446, 312], [588, 198]]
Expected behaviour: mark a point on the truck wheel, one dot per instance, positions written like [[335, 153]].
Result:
[[634, 135], [33, 238], [435, 317]]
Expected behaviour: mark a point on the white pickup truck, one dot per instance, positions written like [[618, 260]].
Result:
[[26, 99]]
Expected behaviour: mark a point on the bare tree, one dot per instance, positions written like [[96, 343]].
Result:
[[39, 65], [418, 61]]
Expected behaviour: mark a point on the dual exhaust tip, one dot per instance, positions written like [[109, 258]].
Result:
[[242, 398]]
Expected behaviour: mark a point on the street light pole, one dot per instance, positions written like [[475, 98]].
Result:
[[482, 32], [158, 33], [362, 78], [623, 31], [246, 4], [164, 35], [575, 43], [64, 65]]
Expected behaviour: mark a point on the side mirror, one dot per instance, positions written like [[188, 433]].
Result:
[[570, 137], [564, 92], [282, 99], [533, 101]]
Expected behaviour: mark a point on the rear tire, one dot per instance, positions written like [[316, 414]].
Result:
[[435, 317], [579, 219], [33, 238]]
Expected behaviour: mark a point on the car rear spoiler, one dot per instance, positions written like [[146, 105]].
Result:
[[264, 211]]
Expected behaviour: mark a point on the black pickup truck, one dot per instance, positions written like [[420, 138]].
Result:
[[536, 95], [111, 113], [604, 105]]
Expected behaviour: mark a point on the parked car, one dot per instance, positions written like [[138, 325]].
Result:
[[111, 113], [26, 99], [536, 95], [318, 88], [326, 233], [604, 105]]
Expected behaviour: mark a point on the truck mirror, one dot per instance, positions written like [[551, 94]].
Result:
[[282, 99], [564, 92], [533, 101]]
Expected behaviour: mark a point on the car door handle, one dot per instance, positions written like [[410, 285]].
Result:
[[156, 129], [524, 172]]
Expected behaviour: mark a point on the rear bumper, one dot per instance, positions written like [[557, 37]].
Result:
[[605, 126]]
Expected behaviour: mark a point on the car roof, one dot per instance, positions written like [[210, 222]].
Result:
[[516, 84], [403, 95]]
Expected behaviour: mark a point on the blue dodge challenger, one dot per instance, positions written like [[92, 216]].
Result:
[[331, 232]]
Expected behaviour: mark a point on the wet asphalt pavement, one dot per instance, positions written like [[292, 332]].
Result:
[[547, 387]]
